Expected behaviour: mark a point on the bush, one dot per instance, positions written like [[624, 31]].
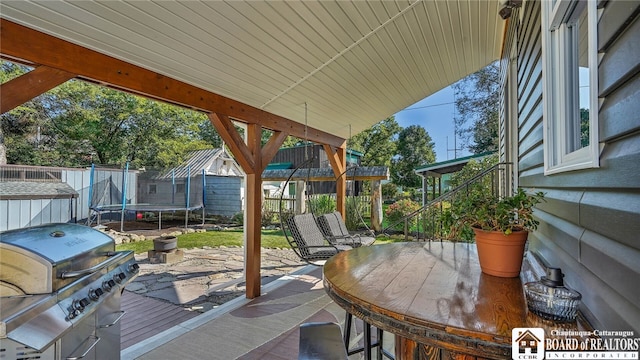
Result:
[[238, 218], [322, 204], [389, 191], [398, 210], [354, 212]]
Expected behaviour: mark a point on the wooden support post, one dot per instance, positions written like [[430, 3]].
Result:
[[253, 160], [254, 214], [301, 195], [376, 205], [338, 161]]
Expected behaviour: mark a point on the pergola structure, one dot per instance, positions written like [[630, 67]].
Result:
[[258, 63]]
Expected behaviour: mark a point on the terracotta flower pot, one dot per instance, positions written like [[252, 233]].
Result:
[[499, 254]]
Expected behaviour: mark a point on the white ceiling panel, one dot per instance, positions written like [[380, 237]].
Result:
[[353, 63]]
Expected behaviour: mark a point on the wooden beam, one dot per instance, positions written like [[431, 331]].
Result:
[[18, 91], [338, 161], [334, 159], [31, 46], [271, 147], [254, 214], [234, 141]]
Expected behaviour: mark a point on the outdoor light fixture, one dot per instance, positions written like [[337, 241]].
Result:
[[550, 299], [506, 6]]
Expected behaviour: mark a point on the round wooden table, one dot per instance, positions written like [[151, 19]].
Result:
[[433, 296]]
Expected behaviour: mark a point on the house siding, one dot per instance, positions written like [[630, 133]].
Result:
[[222, 196], [589, 222]]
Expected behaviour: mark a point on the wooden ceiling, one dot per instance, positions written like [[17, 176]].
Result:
[[353, 63]]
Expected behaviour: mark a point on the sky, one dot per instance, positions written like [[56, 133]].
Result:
[[435, 113]]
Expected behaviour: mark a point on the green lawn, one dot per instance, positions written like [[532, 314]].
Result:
[[270, 239]]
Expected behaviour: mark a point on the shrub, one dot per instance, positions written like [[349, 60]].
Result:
[[322, 204], [398, 210], [238, 218], [354, 212]]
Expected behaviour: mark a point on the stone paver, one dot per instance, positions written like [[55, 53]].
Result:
[[207, 277]]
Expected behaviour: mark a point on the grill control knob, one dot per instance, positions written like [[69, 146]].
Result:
[[73, 313], [95, 294], [107, 285], [133, 267], [119, 277], [79, 305]]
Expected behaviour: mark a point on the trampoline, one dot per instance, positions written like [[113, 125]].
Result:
[[176, 190]]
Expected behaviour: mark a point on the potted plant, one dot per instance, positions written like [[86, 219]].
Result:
[[501, 226]]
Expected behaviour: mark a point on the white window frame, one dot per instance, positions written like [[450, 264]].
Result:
[[557, 91]]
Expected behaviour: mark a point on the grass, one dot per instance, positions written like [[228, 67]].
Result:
[[270, 239]]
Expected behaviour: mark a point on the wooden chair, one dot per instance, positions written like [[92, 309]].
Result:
[[308, 241], [335, 230]]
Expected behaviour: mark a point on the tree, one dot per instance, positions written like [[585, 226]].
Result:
[[377, 143], [78, 123], [415, 148], [477, 101]]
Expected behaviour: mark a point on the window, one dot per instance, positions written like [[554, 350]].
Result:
[[570, 95], [151, 189], [292, 189]]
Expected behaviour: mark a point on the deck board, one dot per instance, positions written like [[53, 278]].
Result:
[[146, 317]]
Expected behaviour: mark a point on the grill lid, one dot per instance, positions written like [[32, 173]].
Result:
[[36, 260], [57, 243]]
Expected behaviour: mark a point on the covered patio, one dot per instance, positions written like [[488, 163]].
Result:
[[324, 70], [319, 71]]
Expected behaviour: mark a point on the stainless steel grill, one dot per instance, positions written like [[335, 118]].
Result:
[[60, 292]]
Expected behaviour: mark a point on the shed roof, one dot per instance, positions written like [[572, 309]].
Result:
[[23, 190], [450, 166], [326, 174]]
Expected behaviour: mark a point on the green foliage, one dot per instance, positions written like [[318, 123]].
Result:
[[354, 210], [477, 101], [389, 191], [78, 123], [321, 204], [238, 218], [398, 210], [415, 148], [485, 211], [473, 168], [376, 143]]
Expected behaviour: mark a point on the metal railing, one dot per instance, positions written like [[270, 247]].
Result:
[[25, 173], [434, 221]]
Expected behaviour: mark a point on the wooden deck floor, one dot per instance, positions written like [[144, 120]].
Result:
[[146, 317], [262, 328]]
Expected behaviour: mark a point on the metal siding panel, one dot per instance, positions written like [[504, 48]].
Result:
[[13, 215], [25, 213], [36, 212], [4, 215], [56, 211], [45, 215]]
